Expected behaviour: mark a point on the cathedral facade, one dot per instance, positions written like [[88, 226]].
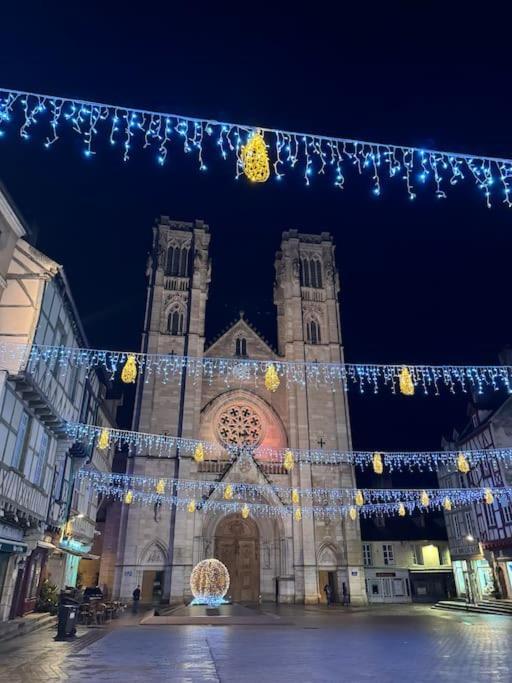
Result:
[[273, 558]]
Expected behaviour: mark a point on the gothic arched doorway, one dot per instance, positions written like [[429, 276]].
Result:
[[237, 545]]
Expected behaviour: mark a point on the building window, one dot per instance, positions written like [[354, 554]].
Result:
[[417, 552], [387, 552], [490, 517], [21, 438], [41, 458], [469, 522], [313, 332], [311, 273], [241, 346], [367, 555], [59, 339], [457, 527], [177, 261], [175, 323], [507, 514]]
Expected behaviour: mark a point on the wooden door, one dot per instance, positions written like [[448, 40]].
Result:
[[247, 566], [237, 546]]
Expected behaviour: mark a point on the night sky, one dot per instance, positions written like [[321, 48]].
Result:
[[425, 281]]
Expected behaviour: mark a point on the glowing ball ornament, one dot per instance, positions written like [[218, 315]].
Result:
[[209, 583]]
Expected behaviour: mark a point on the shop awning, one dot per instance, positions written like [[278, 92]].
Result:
[[8, 545], [89, 556]]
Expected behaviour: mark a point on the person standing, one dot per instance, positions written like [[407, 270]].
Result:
[[345, 595], [328, 594], [136, 599]]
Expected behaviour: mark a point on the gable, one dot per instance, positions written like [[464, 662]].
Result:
[[256, 346]]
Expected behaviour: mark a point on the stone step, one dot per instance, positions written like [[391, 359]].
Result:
[[22, 625], [461, 605]]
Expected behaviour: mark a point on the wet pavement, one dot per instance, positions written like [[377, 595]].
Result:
[[383, 644]]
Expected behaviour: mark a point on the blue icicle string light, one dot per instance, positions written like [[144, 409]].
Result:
[[427, 379], [324, 502], [305, 153], [165, 446]]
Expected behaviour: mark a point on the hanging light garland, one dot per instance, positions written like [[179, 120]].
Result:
[[305, 153], [159, 445], [329, 510], [429, 379], [350, 497]]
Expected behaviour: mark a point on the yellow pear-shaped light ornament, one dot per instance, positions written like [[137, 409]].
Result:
[[447, 504], [103, 441], [297, 514], [295, 497], [462, 463], [160, 487], [272, 380], [129, 371], [254, 158], [191, 507], [352, 513], [401, 510], [378, 466], [405, 382], [199, 453], [359, 498], [288, 461], [245, 511], [424, 499], [228, 492], [128, 497], [488, 497]]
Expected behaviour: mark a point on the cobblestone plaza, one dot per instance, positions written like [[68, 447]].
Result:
[[383, 644]]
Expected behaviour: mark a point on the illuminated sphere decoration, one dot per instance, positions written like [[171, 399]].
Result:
[[209, 583]]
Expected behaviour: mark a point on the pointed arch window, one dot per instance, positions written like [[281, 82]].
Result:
[[313, 332], [177, 261], [241, 346], [311, 273], [175, 323]]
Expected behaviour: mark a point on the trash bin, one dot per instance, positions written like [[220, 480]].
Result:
[[67, 618]]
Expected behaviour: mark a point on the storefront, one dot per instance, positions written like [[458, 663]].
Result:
[[12, 550], [473, 579], [431, 586], [387, 586], [501, 554]]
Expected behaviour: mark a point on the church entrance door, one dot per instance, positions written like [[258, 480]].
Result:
[[237, 545]]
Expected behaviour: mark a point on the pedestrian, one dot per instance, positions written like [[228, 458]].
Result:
[[136, 598], [345, 595], [328, 594]]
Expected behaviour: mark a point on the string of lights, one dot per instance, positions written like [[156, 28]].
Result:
[[165, 446], [405, 501], [257, 152], [404, 379], [254, 492]]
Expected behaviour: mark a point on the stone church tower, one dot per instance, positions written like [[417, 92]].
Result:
[[269, 558]]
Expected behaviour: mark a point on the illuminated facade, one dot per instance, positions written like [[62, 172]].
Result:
[[273, 559]]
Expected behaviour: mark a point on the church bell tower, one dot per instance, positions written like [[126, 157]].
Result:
[[308, 318], [152, 541]]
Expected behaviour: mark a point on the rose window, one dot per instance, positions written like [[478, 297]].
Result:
[[239, 426]]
